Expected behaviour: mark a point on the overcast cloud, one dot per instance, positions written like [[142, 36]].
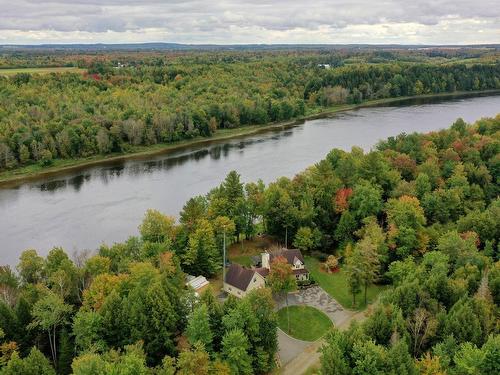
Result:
[[258, 21]]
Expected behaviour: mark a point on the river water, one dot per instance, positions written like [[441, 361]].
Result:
[[106, 203]]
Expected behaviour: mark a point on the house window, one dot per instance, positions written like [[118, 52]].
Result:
[[254, 280]]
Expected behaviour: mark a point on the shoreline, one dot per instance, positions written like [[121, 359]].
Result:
[[14, 178]]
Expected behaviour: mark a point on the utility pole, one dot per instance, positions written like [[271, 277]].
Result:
[[224, 258]]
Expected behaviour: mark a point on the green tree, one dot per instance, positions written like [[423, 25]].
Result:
[[157, 227], [279, 209], [463, 323], [66, 350], [34, 364], [88, 331], [346, 227], [49, 314], [384, 324], [281, 280], [198, 328], [457, 248], [400, 362], [194, 210], [467, 359], [491, 354], [235, 352], [31, 267], [202, 256], [89, 364], [306, 239], [334, 354], [265, 339], [354, 274], [406, 220], [366, 251], [366, 200], [369, 358]]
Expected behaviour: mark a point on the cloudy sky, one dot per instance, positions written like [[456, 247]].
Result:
[[257, 21]]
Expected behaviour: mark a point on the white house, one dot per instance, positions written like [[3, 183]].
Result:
[[240, 280], [293, 257]]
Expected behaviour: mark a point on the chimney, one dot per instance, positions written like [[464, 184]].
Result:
[[265, 260]]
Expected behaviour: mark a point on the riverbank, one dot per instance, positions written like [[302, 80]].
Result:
[[63, 166]]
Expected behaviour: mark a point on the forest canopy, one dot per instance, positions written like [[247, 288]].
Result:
[[419, 213], [123, 101]]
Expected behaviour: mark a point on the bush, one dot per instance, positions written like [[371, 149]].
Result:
[[302, 284]]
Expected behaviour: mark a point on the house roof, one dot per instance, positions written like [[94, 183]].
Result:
[[262, 271], [197, 282], [288, 254], [239, 276]]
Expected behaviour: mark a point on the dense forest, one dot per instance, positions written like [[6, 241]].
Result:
[[419, 213], [126, 100]]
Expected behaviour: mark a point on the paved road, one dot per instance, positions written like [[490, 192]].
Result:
[[311, 356], [316, 297], [290, 348]]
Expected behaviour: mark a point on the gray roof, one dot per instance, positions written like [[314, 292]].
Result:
[[239, 276], [288, 254]]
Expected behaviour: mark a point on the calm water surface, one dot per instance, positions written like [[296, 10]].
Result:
[[106, 203]]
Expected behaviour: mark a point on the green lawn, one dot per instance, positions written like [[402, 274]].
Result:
[[7, 72], [335, 284], [306, 323]]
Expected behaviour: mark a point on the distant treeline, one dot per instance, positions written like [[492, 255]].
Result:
[[147, 99]]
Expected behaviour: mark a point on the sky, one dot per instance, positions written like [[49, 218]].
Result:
[[244, 22]]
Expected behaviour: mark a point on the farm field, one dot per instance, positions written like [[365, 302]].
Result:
[[62, 69]]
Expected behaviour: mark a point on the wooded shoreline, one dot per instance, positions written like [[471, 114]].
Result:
[[18, 176]]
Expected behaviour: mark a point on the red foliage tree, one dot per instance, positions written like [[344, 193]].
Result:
[[342, 199]]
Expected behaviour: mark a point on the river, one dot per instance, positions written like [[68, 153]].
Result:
[[83, 209]]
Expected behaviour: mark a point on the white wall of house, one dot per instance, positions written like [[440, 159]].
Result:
[[298, 265], [257, 282], [302, 277]]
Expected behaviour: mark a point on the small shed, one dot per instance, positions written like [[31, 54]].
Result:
[[197, 282]]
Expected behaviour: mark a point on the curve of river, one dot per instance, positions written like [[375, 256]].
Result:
[[106, 203]]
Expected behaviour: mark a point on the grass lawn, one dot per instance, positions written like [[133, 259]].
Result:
[[306, 323], [7, 72], [335, 284]]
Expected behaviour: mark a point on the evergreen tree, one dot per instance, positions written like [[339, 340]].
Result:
[[202, 256], [66, 353], [198, 328], [234, 352]]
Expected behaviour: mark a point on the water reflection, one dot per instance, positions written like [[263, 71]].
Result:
[[82, 209], [135, 168]]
